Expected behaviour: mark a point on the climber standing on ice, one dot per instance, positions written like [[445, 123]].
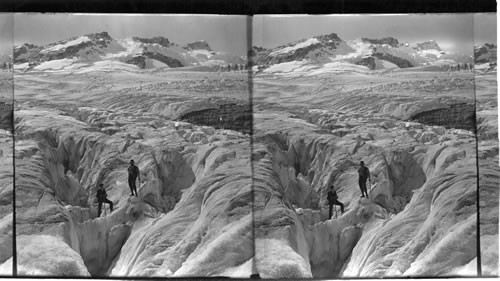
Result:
[[333, 200], [102, 198], [133, 174], [364, 174]]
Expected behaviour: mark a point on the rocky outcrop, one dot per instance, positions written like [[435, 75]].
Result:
[[428, 45], [171, 62], [101, 39], [393, 42], [255, 51], [140, 61], [24, 52], [367, 61], [485, 53], [198, 45], [400, 62], [162, 41]]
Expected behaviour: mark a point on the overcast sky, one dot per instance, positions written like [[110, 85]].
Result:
[[485, 28], [452, 32], [223, 33], [6, 25]]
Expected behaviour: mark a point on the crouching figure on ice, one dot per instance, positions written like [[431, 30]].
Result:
[[133, 174], [102, 198], [364, 174], [333, 199]]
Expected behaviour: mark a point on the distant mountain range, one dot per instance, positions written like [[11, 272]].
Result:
[[383, 53], [101, 49]]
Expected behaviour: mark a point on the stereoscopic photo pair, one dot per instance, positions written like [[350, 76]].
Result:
[[170, 146]]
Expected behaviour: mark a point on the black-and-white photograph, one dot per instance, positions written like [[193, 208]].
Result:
[[6, 145], [369, 134], [132, 146], [266, 146]]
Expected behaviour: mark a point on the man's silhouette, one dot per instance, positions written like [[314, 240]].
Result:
[[364, 174], [133, 174], [101, 198], [333, 200]]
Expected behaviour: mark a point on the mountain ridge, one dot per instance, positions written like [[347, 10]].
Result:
[[101, 47], [160, 52], [373, 53]]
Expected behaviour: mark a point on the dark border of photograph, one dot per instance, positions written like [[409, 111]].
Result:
[[249, 7]]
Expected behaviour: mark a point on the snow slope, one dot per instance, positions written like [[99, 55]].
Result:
[[108, 65], [59, 65], [293, 48], [59, 47], [306, 68]]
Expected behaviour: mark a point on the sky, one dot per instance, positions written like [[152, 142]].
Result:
[[6, 25], [452, 32], [222, 33], [485, 28]]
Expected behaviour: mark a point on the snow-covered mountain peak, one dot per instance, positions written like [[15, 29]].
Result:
[[373, 54], [328, 41], [59, 47], [323, 48], [101, 48], [295, 47]]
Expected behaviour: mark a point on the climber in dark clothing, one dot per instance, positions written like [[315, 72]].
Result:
[[364, 174], [101, 198], [333, 200], [133, 174]]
